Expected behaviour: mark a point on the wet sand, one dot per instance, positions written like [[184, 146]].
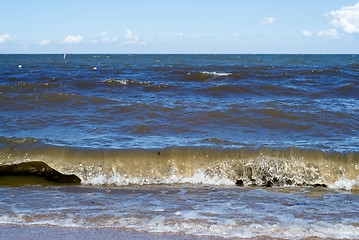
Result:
[[38, 232], [49, 232]]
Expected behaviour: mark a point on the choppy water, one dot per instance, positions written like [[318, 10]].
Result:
[[183, 143]]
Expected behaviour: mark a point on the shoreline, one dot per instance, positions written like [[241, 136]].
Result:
[[38, 232]]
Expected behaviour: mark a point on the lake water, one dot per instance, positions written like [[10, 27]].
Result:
[[201, 145]]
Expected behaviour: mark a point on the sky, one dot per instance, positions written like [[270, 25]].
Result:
[[180, 26]]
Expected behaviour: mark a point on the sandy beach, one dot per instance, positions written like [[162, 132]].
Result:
[[37, 232], [50, 232]]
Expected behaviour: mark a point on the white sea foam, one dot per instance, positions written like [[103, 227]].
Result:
[[121, 81], [197, 227], [217, 74], [335, 231], [199, 177], [195, 223], [209, 211], [125, 81], [346, 184], [22, 219], [114, 179]]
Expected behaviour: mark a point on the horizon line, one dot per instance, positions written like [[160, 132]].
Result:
[[179, 53]]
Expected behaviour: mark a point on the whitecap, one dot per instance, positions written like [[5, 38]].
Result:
[[217, 74]]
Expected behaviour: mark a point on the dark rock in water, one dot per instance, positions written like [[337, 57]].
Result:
[[288, 182], [275, 180], [39, 169], [240, 183], [320, 185], [269, 184]]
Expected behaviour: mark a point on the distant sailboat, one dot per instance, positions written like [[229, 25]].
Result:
[[65, 56]]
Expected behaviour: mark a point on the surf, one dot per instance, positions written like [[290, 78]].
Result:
[[243, 166]]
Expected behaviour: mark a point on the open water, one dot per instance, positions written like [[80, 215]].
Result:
[[207, 145]]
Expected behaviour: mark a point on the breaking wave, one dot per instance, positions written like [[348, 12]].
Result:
[[125, 82], [193, 165], [206, 75]]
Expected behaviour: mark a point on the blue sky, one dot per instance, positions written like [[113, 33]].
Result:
[[179, 26]]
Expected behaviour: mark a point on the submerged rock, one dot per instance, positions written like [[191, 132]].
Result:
[[40, 169], [240, 183], [320, 185], [268, 184]]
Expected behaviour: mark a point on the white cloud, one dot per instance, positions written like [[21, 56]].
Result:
[[346, 18], [106, 38], [331, 33], [268, 20], [4, 38], [180, 34], [44, 42], [130, 38], [128, 34], [307, 33], [72, 39]]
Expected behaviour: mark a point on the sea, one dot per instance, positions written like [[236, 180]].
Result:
[[219, 146]]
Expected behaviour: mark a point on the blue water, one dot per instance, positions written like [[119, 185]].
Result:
[[226, 146], [157, 101]]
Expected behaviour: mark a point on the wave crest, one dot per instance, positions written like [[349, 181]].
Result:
[[241, 166], [206, 75], [125, 82]]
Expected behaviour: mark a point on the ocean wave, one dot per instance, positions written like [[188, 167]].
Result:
[[21, 87], [346, 184], [351, 88], [125, 82], [216, 74], [15, 141], [220, 141], [72, 99], [206, 75], [230, 166], [198, 177], [225, 90], [187, 224]]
